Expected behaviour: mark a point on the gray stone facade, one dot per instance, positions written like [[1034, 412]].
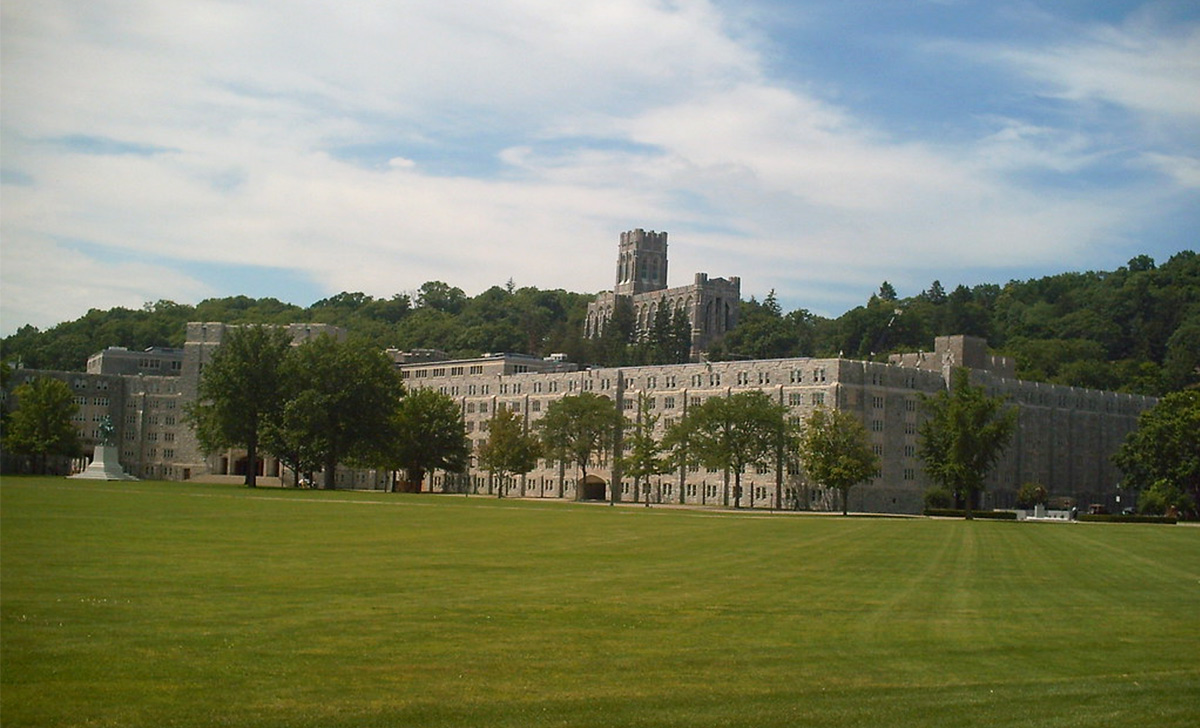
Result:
[[711, 305], [1064, 439]]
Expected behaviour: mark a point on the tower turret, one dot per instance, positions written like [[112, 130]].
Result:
[[641, 262]]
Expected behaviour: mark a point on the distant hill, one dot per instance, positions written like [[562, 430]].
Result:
[[1135, 329]]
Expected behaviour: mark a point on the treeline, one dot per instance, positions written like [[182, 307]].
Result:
[[1135, 329]]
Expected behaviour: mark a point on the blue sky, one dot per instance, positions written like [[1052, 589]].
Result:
[[182, 150]]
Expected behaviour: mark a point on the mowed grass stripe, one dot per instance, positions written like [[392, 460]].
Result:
[[185, 604]]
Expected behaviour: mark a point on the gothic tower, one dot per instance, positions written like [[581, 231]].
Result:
[[641, 262]]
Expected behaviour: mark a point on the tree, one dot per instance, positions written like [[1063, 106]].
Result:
[[429, 435], [579, 426], [509, 448], [732, 433], [41, 425], [287, 436], [1163, 453], [350, 395], [1032, 494], [441, 297], [646, 456], [965, 434], [835, 451], [240, 390]]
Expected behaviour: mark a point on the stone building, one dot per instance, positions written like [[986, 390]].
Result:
[[711, 305], [1064, 438]]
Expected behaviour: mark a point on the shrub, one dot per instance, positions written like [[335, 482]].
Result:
[[959, 513], [938, 498], [1115, 518], [1032, 494]]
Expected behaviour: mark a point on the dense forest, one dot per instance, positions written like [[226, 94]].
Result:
[[1135, 329]]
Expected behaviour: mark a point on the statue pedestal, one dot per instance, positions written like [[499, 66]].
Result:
[[105, 465]]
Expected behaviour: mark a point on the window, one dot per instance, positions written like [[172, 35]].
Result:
[[668, 403], [876, 425], [877, 402], [795, 399], [818, 398]]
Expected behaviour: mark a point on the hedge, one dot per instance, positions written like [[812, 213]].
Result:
[[958, 513], [1117, 518]]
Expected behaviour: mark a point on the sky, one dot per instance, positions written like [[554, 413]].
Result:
[[180, 150]]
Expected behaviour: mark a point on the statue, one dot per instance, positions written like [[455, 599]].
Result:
[[107, 431]]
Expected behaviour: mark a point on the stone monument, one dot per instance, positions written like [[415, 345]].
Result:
[[105, 463]]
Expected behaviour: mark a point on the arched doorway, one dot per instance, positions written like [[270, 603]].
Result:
[[593, 488]]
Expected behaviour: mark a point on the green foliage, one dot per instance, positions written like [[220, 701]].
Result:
[[1032, 494], [959, 513], [429, 435], [731, 434], [964, 435], [41, 425], [1163, 453], [646, 456], [579, 426], [835, 451], [1120, 518], [509, 449], [938, 498], [350, 396], [240, 390]]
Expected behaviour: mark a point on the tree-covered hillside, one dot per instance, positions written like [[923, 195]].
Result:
[[1134, 329]]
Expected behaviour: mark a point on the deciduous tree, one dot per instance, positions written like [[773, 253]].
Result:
[[429, 435], [645, 454], [965, 434], [732, 433], [41, 425], [240, 390], [835, 451], [350, 394], [1163, 453], [509, 449], [579, 426]]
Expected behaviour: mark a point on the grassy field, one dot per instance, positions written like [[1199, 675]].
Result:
[[154, 604]]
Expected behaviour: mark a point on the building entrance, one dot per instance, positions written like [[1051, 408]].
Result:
[[593, 488]]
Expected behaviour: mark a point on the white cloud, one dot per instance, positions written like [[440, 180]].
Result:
[[38, 276], [1141, 65], [216, 130]]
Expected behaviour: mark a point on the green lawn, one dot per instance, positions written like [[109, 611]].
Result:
[[155, 604]]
